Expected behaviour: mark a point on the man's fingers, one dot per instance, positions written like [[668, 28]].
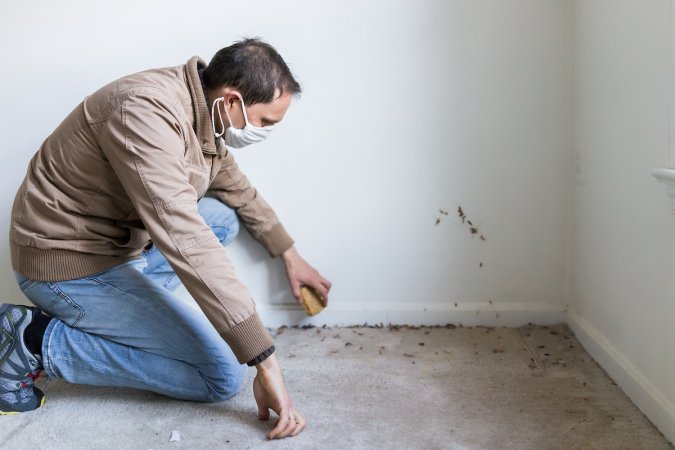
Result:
[[296, 290], [281, 425], [326, 285], [322, 291], [300, 424], [289, 427], [294, 423], [289, 424]]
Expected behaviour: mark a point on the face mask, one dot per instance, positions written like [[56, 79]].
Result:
[[238, 137]]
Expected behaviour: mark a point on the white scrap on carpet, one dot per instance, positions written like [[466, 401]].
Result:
[[175, 436]]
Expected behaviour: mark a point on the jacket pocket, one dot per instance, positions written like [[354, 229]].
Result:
[[133, 232]]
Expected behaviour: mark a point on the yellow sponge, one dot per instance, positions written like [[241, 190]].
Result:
[[310, 300]]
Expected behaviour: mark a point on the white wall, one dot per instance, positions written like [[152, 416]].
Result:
[[409, 107], [623, 231]]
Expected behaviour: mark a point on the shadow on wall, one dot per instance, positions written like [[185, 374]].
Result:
[[264, 276], [10, 289]]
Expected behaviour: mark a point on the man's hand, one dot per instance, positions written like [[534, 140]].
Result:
[[270, 392], [300, 273]]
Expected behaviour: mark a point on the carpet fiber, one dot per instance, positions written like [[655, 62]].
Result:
[[532, 387]]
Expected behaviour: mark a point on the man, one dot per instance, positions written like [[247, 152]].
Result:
[[135, 192]]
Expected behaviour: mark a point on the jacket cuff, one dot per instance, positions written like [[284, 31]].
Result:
[[261, 357], [276, 241], [248, 339]]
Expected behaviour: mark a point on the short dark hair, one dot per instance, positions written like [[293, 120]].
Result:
[[254, 68]]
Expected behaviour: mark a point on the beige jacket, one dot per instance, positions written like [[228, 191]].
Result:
[[125, 169]]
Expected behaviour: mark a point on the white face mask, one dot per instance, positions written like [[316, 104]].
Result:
[[238, 137]]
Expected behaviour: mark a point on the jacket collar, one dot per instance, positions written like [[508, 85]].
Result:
[[202, 116]]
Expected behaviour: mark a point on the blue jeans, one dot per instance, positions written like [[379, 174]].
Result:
[[125, 327]]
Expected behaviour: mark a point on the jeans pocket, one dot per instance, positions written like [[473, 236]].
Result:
[[62, 306], [51, 299]]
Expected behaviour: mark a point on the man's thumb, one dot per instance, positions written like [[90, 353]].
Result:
[[263, 411]]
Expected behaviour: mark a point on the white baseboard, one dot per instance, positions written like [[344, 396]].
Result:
[[626, 375], [413, 313]]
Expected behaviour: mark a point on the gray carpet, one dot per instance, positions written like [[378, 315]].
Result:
[[373, 387]]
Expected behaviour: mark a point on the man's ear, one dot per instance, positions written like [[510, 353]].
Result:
[[232, 97]]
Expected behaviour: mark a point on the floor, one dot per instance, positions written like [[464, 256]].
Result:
[[372, 387]]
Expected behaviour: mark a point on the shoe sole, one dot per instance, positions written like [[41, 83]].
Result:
[[13, 413]]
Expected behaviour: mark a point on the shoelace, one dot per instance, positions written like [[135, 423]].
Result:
[[32, 376], [30, 380]]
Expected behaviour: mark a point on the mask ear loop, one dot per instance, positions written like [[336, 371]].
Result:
[[213, 117], [228, 116], [243, 108]]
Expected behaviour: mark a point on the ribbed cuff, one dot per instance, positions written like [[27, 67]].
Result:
[[261, 357], [276, 241], [248, 339]]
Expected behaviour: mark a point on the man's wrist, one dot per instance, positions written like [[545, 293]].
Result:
[[270, 363], [289, 254], [261, 357]]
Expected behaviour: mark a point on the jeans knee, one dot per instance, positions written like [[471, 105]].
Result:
[[234, 385], [232, 225], [221, 218]]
